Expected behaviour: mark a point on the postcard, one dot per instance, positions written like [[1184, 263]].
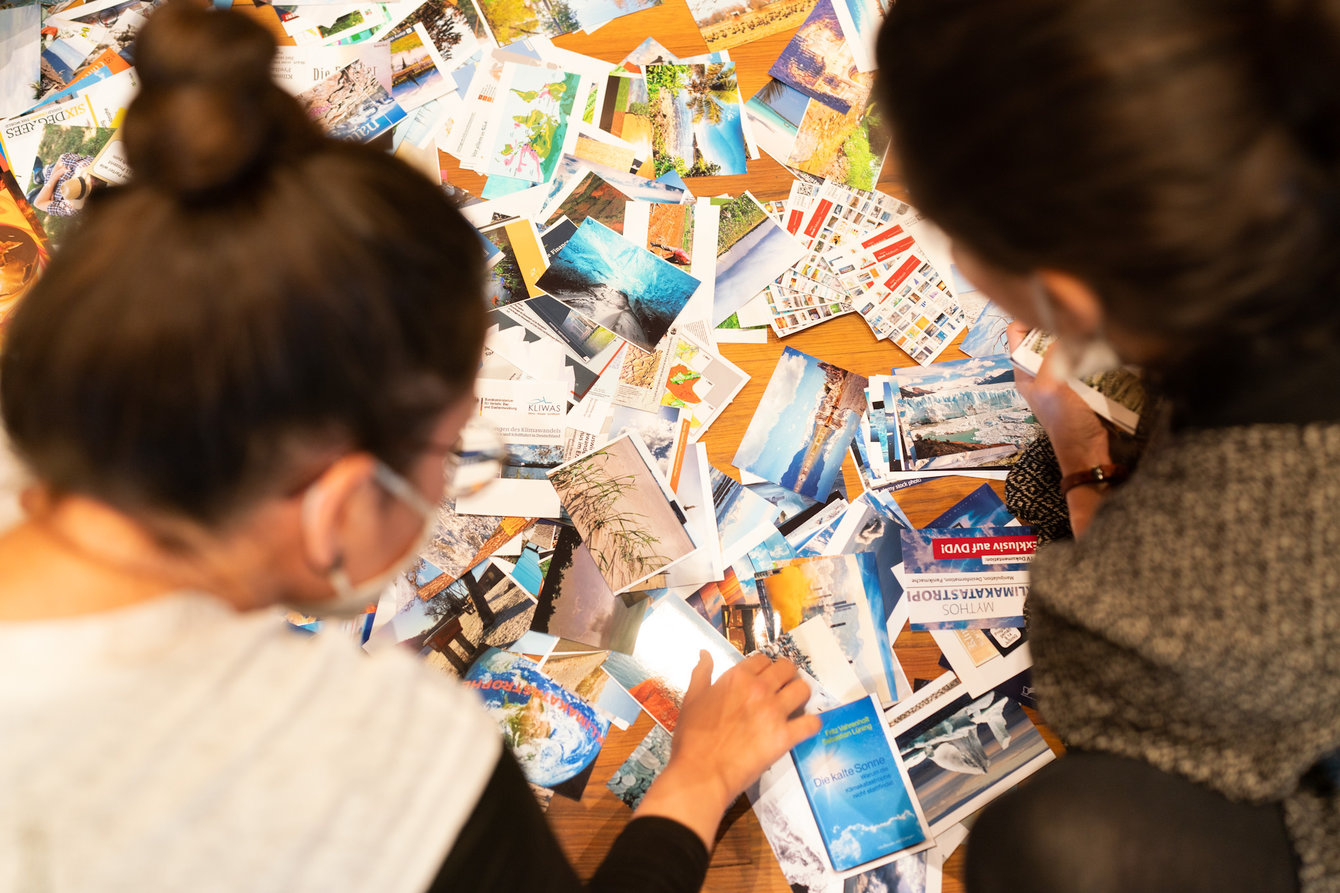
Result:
[[964, 578], [533, 121], [352, 104], [962, 414], [592, 197], [624, 511], [858, 787], [26, 252], [775, 113], [819, 62], [783, 812], [752, 251], [505, 283], [825, 661], [662, 431], [961, 752], [619, 285], [667, 650], [1117, 395], [529, 416], [485, 607], [62, 175], [451, 33], [860, 21], [844, 590], [576, 603], [728, 24], [803, 425], [631, 780], [699, 381], [695, 116], [986, 336], [554, 735], [744, 519]]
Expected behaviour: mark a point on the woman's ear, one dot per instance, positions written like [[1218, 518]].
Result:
[[1076, 307], [326, 504]]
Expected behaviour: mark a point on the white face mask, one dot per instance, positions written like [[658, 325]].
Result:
[[352, 599], [1074, 357]]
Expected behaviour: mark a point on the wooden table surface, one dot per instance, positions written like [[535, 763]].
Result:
[[742, 860]]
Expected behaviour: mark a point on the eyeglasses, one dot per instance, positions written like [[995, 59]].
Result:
[[472, 464]]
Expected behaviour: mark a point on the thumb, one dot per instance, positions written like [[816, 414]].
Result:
[[701, 679]]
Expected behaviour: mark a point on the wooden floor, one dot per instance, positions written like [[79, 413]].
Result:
[[742, 860]]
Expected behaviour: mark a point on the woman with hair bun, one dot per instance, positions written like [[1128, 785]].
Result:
[[1158, 182], [236, 386]]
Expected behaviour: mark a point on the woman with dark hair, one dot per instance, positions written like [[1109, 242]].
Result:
[[1158, 182], [236, 386]]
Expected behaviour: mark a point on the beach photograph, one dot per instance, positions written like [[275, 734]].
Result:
[[695, 119], [618, 285], [415, 77], [617, 504], [752, 251], [775, 113], [963, 414], [803, 425], [818, 62]]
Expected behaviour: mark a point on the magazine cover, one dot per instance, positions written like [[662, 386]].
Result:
[[858, 787], [553, 734], [967, 577]]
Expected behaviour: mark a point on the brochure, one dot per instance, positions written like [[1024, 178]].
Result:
[[967, 577]]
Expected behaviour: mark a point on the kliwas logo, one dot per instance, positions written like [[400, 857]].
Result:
[[540, 406]]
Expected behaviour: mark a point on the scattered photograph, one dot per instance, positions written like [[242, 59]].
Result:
[[752, 251], [618, 285], [534, 116], [729, 23], [670, 233], [576, 603], [62, 177], [580, 335], [660, 429], [803, 425], [819, 63], [505, 283], [631, 780], [961, 751], [415, 76], [453, 30], [905, 875], [695, 120], [963, 414], [775, 113], [594, 198], [844, 590], [459, 542], [744, 519], [623, 511], [846, 148], [986, 337], [352, 104], [554, 734]]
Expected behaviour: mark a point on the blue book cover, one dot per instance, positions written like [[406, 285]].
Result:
[[857, 787]]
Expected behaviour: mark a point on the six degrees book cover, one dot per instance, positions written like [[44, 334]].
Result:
[[858, 788]]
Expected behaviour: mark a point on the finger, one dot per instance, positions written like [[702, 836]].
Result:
[[756, 663], [701, 678], [802, 728], [793, 695], [779, 674], [1015, 333]]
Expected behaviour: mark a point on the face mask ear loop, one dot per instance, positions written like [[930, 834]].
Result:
[[401, 489], [307, 517]]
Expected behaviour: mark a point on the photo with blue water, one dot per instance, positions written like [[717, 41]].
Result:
[[618, 284]]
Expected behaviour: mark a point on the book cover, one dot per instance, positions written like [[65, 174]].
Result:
[[857, 787], [967, 577]]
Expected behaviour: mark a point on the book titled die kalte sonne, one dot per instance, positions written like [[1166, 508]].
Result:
[[967, 577], [858, 788]]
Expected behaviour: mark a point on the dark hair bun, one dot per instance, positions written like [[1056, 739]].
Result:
[[208, 113]]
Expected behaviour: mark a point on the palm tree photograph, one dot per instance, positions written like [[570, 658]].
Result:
[[695, 119]]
